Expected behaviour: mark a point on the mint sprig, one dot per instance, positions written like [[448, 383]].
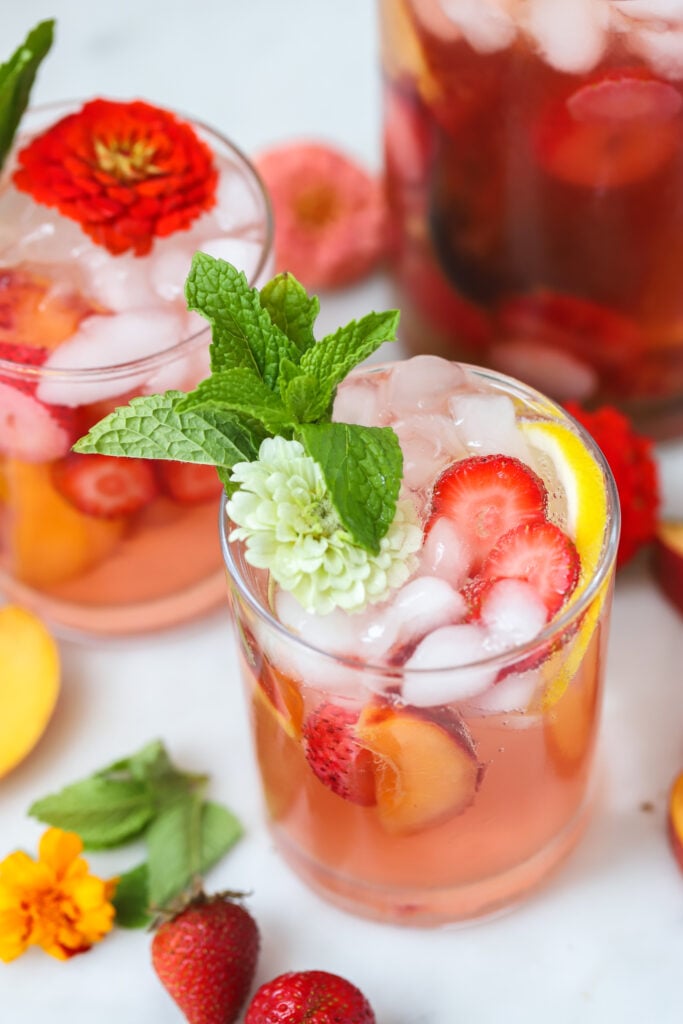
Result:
[[269, 376], [146, 796], [17, 76]]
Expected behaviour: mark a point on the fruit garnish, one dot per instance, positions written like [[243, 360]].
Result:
[[570, 721], [126, 172], [337, 756], [37, 311], [667, 561], [30, 430], [620, 129], [330, 216], [105, 488], [343, 539], [309, 997], [485, 496], [631, 458], [29, 683], [543, 555], [282, 697], [675, 819], [189, 484], [16, 80], [205, 957], [426, 767]]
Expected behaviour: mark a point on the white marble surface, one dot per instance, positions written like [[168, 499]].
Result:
[[603, 940]]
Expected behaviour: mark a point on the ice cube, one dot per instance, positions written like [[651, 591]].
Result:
[[662, 50], [238, 203], [429, 443], [422, 384], [439, 679], [513, 693], [486, 24], [108, 341], [35, 233], [513, 613], [487, 425], [117, 282], [243, 253], [168, 266], [359, 401], [544, 368], [422, 606], [445, 554], [651, 10], [571, 34]]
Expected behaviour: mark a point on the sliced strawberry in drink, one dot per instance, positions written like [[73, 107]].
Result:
[[104, 486], [542, 554], [485, 496], [336, 755], [30, 430], [189, 483], [619, 129]]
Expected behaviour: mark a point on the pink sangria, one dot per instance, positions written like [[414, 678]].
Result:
[[102, 206], [534, 162], [429, 757]]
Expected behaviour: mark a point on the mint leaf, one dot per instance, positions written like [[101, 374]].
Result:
[[104, 812], [131, 899], [291, 309], [183, 842], [150, 762], [331, 359], [305, 399], [362, 467], [240, 391], [151, 428], [17, 76], [243, 335]]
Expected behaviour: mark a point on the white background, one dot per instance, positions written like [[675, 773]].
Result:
[[603, 940]]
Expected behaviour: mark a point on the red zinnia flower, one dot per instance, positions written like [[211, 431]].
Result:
[[127, 172]]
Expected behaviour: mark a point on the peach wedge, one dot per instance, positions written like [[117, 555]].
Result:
[[675, 819], [425, 764]]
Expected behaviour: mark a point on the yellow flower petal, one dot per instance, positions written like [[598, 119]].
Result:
[[58, 849], [14, 934]]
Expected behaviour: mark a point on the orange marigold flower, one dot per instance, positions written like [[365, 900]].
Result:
[[127, 172], [53, 902]]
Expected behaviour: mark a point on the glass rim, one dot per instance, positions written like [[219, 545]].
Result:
[[558, 625], [154, 360]]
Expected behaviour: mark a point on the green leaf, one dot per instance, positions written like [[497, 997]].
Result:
[[242, 392], [131, 899], [305, 399], [150, 427], [336, 355], [17, 76], [362, 467], [183, 842], [104, 812], [291, 309], [243, 335]]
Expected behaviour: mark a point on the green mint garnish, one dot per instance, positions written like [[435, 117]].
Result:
[[16, 81], [146, 796], [269, 377]]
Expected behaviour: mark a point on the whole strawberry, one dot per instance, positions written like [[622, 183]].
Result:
[[206, 956], [309, 997]]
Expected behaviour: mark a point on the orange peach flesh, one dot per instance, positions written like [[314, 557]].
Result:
[[283, 699], [668, 561], [424, 772], [675, 820], [33, 311]]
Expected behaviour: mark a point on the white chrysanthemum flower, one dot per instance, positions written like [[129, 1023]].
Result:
[[285, 516]]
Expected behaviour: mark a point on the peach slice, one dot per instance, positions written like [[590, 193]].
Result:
[[675, 819], [426, 768], [35, 311], [667, 561], [282, 697]]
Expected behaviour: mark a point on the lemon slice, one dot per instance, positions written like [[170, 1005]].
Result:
[[29, 683], [587, 515]]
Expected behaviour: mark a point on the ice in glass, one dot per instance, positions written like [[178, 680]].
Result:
[[534, 159], [430, 757], [110, 546]]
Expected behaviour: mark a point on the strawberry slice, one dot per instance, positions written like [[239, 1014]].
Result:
[[189, 483], [337, 756], [485, 496], [30, 430], [621, 128], [542, 554], [104, 486]]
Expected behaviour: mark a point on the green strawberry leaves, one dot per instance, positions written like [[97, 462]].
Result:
[[147, 797], [269, 377], [17, 76]]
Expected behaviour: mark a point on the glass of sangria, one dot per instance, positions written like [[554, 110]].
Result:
[[534, 164], [102, 206], [431, 757]]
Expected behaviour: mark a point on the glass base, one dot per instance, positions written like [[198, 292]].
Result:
[[428, 908]]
